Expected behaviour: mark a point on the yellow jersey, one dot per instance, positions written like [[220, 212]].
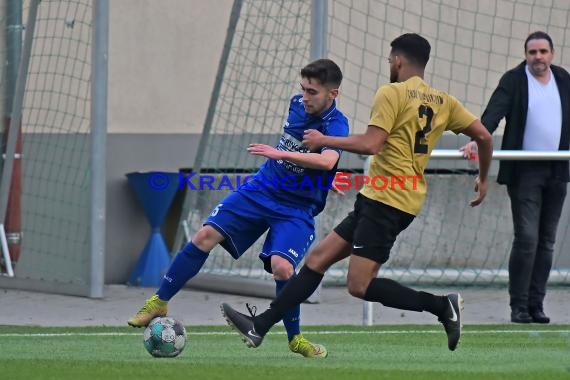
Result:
[[414, 115]]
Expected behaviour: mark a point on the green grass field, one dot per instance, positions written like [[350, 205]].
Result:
[[355, 352]]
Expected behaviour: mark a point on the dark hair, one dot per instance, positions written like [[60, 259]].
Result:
[[325, 71], [539, 35], [412, 46]]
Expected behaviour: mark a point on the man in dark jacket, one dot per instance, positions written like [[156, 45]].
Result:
[[534, 98]]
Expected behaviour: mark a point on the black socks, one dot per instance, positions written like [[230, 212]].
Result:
[[388, 292], [392, 294], [297, 290]]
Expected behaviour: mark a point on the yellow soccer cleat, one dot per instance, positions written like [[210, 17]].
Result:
[[153, 307], [301, 345]]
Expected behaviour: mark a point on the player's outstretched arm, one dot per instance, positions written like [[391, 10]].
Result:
[[325, 160], [481, 136], [368, 143]]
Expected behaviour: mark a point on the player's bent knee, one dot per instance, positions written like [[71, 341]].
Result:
[[282, 269], [207, 238], [356, 288]]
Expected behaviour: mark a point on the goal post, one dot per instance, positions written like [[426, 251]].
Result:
[[60, 106]]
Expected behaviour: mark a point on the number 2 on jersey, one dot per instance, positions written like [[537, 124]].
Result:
[[426, 111]]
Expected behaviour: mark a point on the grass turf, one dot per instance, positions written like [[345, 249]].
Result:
[[379, 352]]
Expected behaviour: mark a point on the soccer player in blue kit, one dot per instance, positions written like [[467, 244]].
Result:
[[283, 198]]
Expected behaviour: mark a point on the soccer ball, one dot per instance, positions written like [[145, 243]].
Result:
[[164, 337]]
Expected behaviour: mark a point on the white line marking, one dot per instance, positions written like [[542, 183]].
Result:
[[315, 332]]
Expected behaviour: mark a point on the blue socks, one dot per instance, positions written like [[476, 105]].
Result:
[[291, 319], [186, 264]]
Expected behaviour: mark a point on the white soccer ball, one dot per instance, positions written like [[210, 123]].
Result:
[[164, 337]]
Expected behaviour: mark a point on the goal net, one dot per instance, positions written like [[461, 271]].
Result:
[[473, 44], [55, 141]]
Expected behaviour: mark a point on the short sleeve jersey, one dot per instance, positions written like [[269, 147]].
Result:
[[292, 184], [415, 115]]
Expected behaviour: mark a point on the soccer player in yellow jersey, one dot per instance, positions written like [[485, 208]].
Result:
[[407, 120]]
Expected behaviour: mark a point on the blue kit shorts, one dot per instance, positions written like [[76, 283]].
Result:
[[242, 219]]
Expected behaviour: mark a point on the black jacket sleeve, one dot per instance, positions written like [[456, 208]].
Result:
[[500, 103]]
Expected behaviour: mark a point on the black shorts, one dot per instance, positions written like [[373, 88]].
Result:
[[372, 227]]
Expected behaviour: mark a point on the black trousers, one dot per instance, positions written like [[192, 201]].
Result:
[[537, 199]]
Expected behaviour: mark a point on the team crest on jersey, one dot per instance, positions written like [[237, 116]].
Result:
[[291, 144]]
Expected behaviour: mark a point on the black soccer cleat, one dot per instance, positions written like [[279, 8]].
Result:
[[243, 324], [451, 320]]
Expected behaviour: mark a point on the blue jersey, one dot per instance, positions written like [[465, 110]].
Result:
[[289, 183]]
